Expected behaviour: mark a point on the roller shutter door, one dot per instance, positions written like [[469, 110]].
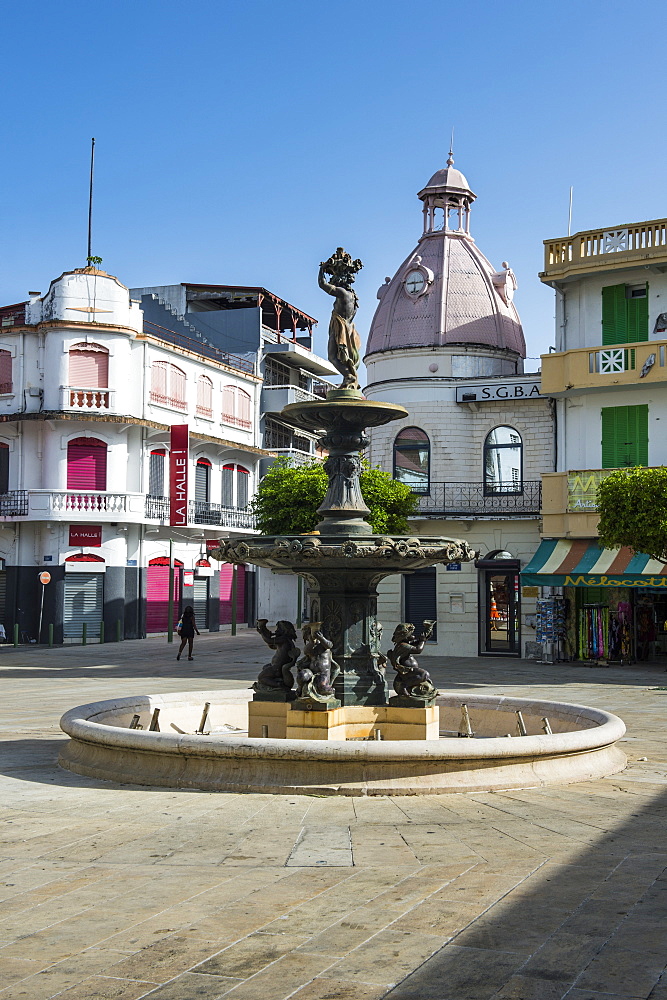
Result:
[[84, 594], [200, 602], [420, 598], [157, 598], [226, 594]]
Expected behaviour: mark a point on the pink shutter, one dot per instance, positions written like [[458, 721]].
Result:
[[86, 464], [88, 369], [228, 398], [244, 408], [157, 597], [159, 378], [5, 371], [226, 594], [177, 378], [205, 396]]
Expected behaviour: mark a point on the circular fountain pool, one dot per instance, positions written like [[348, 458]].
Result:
[[581, 746]]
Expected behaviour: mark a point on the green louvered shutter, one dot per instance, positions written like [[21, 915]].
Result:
[[637, 318], [624, 436], [614, 315]]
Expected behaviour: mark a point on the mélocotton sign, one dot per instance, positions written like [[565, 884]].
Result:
[[85, 534], [178, 475]]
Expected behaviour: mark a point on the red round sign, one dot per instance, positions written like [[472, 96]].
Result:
[[45, 577]]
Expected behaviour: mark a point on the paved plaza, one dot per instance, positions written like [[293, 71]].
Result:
[[113, 891]]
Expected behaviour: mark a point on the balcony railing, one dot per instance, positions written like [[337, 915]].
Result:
[[14, 504], [172, 401], [201, 512], [89, 502], [296, 393], [606, 248], [91, 400], [474, 499], [295, 455]]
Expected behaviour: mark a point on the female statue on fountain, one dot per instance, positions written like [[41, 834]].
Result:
[[344, 341]]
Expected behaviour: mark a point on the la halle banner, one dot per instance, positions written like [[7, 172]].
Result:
[[178, 475]]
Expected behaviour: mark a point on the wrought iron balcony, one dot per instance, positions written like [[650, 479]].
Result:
[[14, 504], [201, 512], [477, 500]]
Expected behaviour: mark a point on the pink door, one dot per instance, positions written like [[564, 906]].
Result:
[[157, 597], [226, 594]]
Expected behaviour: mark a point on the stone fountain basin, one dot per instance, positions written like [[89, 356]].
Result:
[[581, 748]]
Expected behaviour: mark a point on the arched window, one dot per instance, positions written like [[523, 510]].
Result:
[[156, 462], [89, 366], [412, 459], [236, 406], [202, 480], [168, 385], [204, 397], [503, 461], [5, 371], [235, 486], [86, 464]]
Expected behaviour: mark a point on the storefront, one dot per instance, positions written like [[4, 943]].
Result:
[[612, 607], [499, 605]]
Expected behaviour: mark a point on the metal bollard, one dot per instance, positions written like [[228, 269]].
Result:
[[265, 732], [465, 729], [101, 631], [546, 728], [520, 724], [16, 633], [378, 734], [118, 630], [155, 725], [135, 722], [204, 718], [84, 633], [51, 636]]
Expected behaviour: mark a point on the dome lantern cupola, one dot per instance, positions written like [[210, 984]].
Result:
[[447, 200]]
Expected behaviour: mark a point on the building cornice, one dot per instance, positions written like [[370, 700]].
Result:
[[9, 418]]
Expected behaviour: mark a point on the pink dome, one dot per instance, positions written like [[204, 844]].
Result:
[[463, 300]]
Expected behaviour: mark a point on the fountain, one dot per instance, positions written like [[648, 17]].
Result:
[[323, 720]]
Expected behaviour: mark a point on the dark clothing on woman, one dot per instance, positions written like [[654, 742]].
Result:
[[188, 627]]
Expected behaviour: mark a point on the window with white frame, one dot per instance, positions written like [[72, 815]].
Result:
[[156, 469], [235, 486], [168, 385], [236, 406]]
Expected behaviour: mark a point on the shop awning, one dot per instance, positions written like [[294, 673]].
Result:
[[582, 563]]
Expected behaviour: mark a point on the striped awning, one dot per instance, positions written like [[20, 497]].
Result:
[[582, 563]]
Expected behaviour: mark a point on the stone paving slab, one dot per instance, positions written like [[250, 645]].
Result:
[[110, 891]]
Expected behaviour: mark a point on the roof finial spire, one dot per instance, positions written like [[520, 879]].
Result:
[[450, 160]]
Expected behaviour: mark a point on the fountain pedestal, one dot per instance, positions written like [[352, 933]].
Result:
[[352, 722]]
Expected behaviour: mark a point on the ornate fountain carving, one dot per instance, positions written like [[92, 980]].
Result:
[[412, 684], [276, 680]]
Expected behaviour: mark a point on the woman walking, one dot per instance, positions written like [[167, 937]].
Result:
[[186, 630]]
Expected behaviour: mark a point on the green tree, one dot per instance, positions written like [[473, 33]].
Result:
[[288, 497], [633, 511]]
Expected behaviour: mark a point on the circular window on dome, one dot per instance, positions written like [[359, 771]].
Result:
[[415, 283]]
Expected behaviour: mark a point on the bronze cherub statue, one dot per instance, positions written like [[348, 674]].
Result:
[[276, 678], [316, 670], [344, 341], [411, 680]]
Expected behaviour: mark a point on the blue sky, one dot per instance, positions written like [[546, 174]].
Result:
[[241, 142]]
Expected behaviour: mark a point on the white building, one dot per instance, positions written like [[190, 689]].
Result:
[[87, 401], [608, 379], [446, 342]]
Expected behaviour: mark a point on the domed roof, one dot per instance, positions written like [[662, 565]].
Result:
[[456, 296], [447, 179]]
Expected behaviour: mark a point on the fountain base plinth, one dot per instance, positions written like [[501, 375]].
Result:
[[405, 701], [346, 722]]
